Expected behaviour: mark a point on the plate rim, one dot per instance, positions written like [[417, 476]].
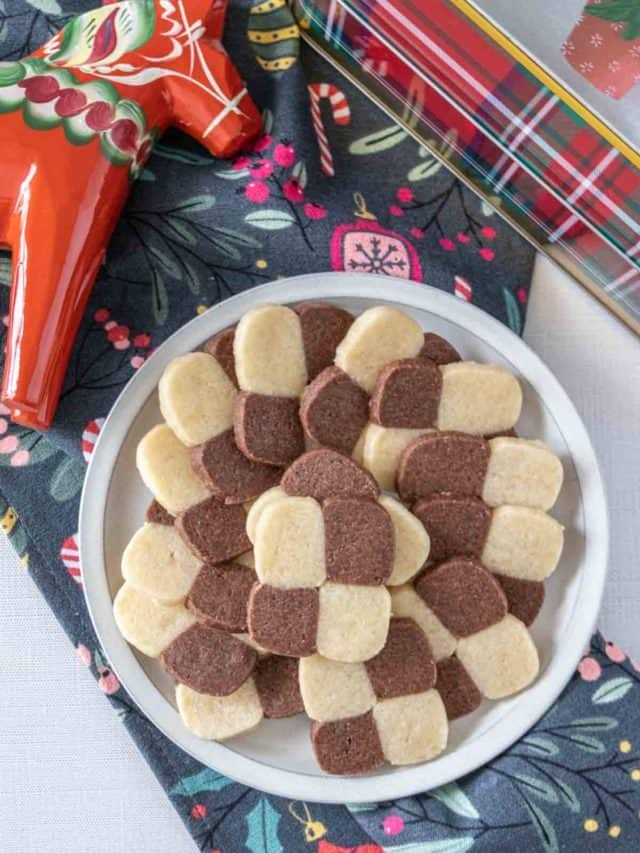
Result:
[[408, 780]]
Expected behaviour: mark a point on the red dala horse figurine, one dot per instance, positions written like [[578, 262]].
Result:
[[78, 119]]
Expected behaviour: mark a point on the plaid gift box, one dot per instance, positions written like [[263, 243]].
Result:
[[556, 170]]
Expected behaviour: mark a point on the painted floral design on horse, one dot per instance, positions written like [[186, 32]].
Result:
[[50, 97], [78, 119]]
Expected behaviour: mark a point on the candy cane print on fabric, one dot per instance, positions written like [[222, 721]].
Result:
[[340, 113]]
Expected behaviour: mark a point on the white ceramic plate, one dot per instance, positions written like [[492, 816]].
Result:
[[276, 757]]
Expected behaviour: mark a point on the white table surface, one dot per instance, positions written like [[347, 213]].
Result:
[[71, 779]]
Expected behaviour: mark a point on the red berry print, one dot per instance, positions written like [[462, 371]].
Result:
[[142, 341], [462, 238], [392, 825], [488, 232], [589, 669], [447, 244], [262, 142], [199, 811], [108, 682], [118, 333], [261, 169], [241, 163], [293, 192], [284, 154], [256, 191], [487, 254], [404, 195], [102, 315], [521, 293], [394, 210], [315, 211], [418, 233]]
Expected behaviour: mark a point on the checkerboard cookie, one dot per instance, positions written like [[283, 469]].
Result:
[[272, 576], [501, 470], [515, 541], [383, 710]]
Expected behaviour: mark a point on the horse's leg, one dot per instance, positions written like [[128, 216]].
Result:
[[59, 231]]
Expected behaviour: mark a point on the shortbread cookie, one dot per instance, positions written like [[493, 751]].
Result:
[[522, 472], [411, 542], [324, 473], [407, 394], [219, 717], [289, 545], [228, 473], [359, 541], [501, 659], [164, 464], [157, 514], [267, 429], [347, 746], [411, 728], [405, 665], [332, 690], [442, 462], [457, 526], [255, 511], [208, 660], [524, 598], [438, 350], [158, 562], [465, 597], [269, 352], [405, 602], [220, 346], [146, 623], [457, 689], [517, 541], [196, 397], [276, 680], [284, 621], [523, 543], [500, 471], [475, 398], [478, 398], [353, 621], [323, 327], [334, 410], [382, 448], [213, 531], [219, 596], [378, 336]]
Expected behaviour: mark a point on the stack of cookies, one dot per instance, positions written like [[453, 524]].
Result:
[[344, 524]]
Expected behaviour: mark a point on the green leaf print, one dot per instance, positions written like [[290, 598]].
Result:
[[262, 828], [537, 787], [206, 780], [513, 312], [444, 845], [588, 744], [612, 690], [380, 140], [67, 480], [544, 828], [270, 220], [539, 745], [455, 799], [567, 795]]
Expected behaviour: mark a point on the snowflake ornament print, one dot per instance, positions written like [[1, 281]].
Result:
[[365, 246]]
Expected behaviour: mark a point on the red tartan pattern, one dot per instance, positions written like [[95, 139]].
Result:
[[557, 177]]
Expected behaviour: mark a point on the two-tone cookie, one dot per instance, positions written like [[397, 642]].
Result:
[[501, 470], [516, 541], [383, 710]]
